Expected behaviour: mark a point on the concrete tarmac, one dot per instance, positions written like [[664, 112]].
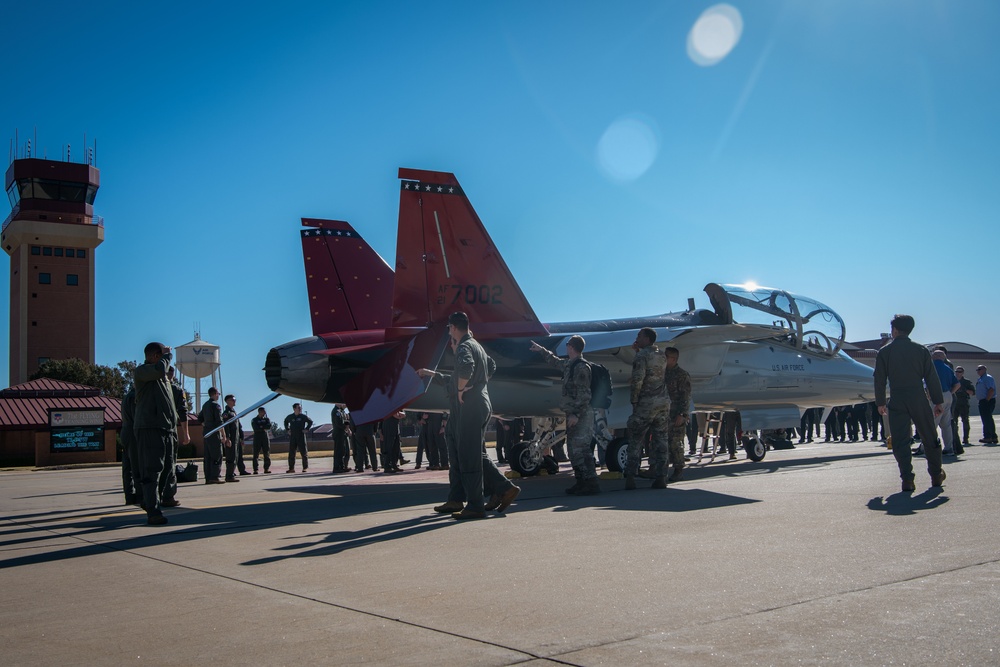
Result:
[[810, 557]]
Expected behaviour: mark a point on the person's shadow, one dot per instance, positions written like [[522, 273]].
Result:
[[901, 504]]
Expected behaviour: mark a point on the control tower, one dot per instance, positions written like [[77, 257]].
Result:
[[50, 235]]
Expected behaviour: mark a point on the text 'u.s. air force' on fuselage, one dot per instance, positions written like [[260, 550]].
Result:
[[766, 352]]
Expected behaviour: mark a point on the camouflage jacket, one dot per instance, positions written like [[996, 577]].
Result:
[[647, 376], [678, 382], [576, 383]]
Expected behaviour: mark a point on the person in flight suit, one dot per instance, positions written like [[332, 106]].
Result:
[[296, 424], [471, 408], [155, 419], [341, 432], [649, 410], [131, 480], [390, 443], [575, 403], [211, 419], [908, 368], [678, 385], [261, 426], [168, 479], [234, 432]]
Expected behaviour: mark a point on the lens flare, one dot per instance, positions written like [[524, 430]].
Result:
[[716, 32], [628, 148]]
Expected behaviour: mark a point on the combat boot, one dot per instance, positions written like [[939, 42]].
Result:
[[677, 474], [589, 487], [629, 482], [575, 489], [659, 483]]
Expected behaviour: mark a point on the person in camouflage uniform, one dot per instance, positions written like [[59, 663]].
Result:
[[678, 384], [579, 414], [649, 410]]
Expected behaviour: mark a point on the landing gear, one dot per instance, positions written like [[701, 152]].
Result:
[[523, 461], [616, 455], [754, 446]]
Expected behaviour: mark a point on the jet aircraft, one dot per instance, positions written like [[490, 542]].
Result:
[[766, 352]]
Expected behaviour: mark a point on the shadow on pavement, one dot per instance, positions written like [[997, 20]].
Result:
[[903, 504], [99, 534]]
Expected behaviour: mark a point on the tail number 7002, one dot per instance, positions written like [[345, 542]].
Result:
[[470, 294]]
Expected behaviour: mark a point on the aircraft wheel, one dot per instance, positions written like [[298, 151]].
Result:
[[616, 456], [522, 462], [550, 465], [755, 447]]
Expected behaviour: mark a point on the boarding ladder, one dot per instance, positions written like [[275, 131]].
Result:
[[710, 431]]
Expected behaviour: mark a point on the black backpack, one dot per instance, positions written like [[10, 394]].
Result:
[[600, 385]]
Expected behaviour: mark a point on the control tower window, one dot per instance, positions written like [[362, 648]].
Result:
[[47, 251], [72, 279], [70, 252], [43, 188], [44, 278], [81, 253], [36, 250], [13, 195], [59, 252]]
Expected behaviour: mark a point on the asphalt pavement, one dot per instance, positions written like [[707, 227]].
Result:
[[812, 556]]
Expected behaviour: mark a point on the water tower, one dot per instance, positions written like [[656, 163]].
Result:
[[198, 359]]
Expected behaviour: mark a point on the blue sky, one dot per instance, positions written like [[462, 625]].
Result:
[[842, 149]]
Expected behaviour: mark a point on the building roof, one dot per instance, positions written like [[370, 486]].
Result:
[[24, 407]]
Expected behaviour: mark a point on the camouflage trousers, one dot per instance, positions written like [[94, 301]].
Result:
[[652, 422], [676, 437], [580, 442]]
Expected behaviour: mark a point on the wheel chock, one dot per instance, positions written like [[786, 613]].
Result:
[[512, 474]]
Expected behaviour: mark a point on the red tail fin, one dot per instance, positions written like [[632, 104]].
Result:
[[350, 286], [446, 261]]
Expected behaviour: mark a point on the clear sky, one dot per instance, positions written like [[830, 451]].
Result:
[[622, 155]]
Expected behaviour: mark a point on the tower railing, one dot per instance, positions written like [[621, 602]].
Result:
[[95, 220]]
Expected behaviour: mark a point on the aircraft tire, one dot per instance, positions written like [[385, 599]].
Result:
[[755, 447], [551, 465], [521, 461], [616, 455]]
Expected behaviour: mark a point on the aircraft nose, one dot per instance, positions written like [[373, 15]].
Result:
[[294, 370]]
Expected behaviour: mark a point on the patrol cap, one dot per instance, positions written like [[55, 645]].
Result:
[[959, 369]]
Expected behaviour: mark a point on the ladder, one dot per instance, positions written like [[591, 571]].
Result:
[[710, 430]]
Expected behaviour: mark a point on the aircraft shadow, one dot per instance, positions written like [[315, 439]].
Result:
[[904, 504]]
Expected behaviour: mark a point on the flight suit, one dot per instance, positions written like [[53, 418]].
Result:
[[341, 452], [168, 479], [261, 442], [131, 479], [155, 419], [471, 470], [211, 418], [908, 368], [296, 425], [234, 452]]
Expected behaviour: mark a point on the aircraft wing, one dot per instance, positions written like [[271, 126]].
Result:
[[245, 412]]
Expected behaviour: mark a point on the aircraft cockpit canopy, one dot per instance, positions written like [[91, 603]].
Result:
[[798, 321]]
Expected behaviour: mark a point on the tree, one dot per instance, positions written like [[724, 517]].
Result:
[[114, 382]]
